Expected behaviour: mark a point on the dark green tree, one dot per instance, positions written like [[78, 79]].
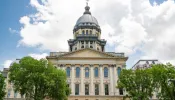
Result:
[[2, 87], [137, 83], [162, 77], [37, 79]]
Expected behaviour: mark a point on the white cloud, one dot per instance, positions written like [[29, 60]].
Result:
[[38, 56], [13, 31], [132, 25], [7, 63]]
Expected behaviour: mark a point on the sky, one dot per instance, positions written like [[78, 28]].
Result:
[[142, 29]]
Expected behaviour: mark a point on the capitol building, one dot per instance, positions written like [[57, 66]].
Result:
[[92, 73]]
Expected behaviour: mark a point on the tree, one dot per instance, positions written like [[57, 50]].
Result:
[[37, 80], [2, 87], [162, 74], [137, 83]]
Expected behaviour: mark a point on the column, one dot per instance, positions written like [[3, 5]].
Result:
[[82, 80], [72, 80], [115, 79], [111, 92], [101, 80], [91, 80]]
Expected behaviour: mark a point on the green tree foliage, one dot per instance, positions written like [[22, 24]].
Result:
[[2, 87], [138, 83], [162, 76], [37, 80]]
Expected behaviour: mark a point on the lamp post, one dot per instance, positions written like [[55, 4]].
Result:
[[173, 81]]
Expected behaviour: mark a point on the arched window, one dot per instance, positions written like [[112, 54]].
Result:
[[90, 32], [105, 72], [86, 72], [118, 70], [96, 71], [77, 72], [68, 71], [83, 32], [86, 32]]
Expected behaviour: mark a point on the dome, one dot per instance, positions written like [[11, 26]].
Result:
[[87, 18], [87, 21]]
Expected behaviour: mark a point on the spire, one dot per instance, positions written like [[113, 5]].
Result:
[[87, 8]]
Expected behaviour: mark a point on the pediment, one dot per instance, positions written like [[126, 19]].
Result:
[[87, 53]]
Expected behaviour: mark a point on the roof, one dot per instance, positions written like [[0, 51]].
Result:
[[144, 60], [57, 55], [87, 18]]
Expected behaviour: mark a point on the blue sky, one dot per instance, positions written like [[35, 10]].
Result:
[[11, 11]]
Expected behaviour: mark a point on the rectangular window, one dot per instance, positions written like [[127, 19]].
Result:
[[86, 89], [121, 91], [76, 89], [106, 89], [96, 89]]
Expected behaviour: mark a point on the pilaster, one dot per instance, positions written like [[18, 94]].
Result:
[[72, 80], [91, 80], [115, 79], [82, 92], [111, 92], [101, 80]]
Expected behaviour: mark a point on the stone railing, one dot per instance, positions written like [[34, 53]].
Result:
[[88, 35]]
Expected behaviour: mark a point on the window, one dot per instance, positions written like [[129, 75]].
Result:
[[118, 70], [86, 72], [90, 32], [76, 89], [106, 89], [147, 62], [86, 32], [82, 46], [75, 48], [96, 89], [91, 46], [153, 62], [96, 71], [105, 72], [15, 94], [86, 89], [9, 92], [68, 71], [120, 91], [77, 72], [83, 32], [97, 48]]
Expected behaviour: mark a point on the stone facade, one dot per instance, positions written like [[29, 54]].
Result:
[[90, 58]]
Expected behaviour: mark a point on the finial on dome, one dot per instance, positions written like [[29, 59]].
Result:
[[87, 2], [87, 8]]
